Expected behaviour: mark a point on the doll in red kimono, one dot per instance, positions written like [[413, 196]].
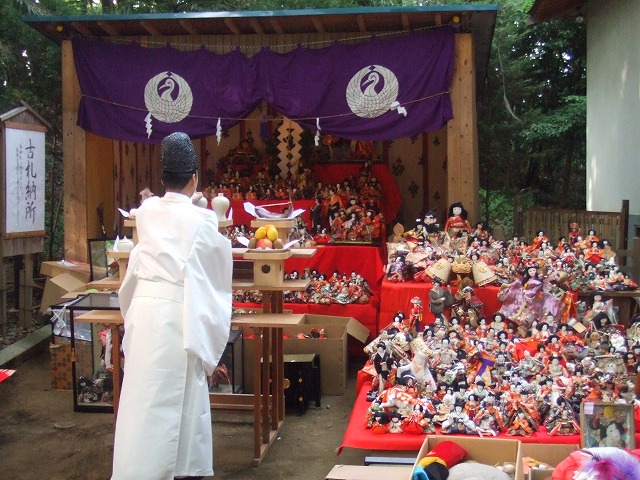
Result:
[[457, 223]]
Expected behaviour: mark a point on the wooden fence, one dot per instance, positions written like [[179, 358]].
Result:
[[612, 226]]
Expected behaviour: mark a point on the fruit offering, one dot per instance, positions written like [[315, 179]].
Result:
[[266, 238]]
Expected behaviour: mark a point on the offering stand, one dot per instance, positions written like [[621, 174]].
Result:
[[267, 400]]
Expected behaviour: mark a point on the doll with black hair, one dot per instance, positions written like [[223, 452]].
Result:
[[457, 223]]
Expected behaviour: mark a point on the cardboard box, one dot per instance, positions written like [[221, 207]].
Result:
[[79, 270], [56, 287], [490, 451], [551, 454], [331, 350], [60, 362], [372, 472]]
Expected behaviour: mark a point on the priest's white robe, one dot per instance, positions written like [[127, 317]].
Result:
[[176, 304]]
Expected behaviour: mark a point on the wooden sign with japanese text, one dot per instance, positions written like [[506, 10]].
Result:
[[24, 181]]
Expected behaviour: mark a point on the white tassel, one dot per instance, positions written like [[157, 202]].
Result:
[[219, 131], [317, 137]]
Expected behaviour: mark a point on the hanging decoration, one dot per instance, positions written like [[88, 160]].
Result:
[[381, 89], [289, 135]]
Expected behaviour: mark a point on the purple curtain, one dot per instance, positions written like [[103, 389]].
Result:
[[377, 90]]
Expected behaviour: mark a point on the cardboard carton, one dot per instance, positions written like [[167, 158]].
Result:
[[372, 472], [551, 454], [78, 270], [56, 287], [331, 350], [490, 451]]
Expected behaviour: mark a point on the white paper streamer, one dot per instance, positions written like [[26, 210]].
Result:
[[219, 131], [401, 110], [317, 137]]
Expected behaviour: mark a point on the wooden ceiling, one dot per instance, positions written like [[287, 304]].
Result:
[[280, 22], [543, 10], [479, 20]]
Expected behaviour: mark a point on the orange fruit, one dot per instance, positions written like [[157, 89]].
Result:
[[261, 233], [272, 233]]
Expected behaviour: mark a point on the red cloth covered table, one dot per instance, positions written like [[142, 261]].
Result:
[[357, 436], [364, 260]]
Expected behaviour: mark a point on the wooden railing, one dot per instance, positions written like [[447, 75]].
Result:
[[612, 226]]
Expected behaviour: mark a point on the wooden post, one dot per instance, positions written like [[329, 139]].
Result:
[[634, 253], [25, 298], [4, 323], [463, 172], [624, 225], [517, 215]]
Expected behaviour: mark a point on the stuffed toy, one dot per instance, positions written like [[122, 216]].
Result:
[[599, 463], [476, 471], [435, 465]]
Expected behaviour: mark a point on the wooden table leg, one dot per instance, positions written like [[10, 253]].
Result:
[[257, 394], [266, 383]]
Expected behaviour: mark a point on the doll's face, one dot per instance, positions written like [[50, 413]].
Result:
[[457, 211], [613, 433], [531, 272]]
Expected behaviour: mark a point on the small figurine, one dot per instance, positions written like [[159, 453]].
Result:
[[431, 225], [439, 298], [521, 425], [458, 421], [457, 223], [415, 315], [383, 363], [396, 270]]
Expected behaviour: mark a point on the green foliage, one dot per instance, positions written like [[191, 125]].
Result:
[[532, 112], [30, 72]]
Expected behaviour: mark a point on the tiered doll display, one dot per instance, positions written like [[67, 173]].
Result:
[[526, 367], [349, 211]]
